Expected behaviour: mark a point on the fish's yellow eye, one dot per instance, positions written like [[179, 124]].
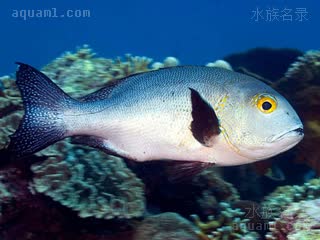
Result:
[[266, 104]]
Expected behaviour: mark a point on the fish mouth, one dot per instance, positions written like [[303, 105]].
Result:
[[294, 133]]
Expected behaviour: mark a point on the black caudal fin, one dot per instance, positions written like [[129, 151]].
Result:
[[44, 103]]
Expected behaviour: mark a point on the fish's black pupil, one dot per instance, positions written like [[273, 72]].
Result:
[[266, 106]]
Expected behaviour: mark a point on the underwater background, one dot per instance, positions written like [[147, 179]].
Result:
[[69, 191], [196, 32]]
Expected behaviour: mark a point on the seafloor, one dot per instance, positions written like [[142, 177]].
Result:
[[69, 191]]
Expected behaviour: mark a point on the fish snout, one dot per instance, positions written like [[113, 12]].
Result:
[[296, 132], [299, 130]]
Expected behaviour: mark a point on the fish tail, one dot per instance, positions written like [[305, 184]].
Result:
[[44, 104]]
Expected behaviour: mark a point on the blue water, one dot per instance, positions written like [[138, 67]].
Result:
[[194, 31]]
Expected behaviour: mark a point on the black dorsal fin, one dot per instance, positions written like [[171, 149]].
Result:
[[205, 123]]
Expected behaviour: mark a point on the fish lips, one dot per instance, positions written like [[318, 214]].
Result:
[[296, 134]]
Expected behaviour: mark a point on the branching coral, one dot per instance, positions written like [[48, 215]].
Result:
[[299, 221], [168, 226], [91, 185], [229, 224], [283, 196]]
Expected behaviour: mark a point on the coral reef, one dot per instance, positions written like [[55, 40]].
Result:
[[10, 109], [27, 215], [198, 194], [301, 86], [169, 226], [229, 224], [102, 187], [76, 181], [300, 220], [167, 62], [283, 196], [221, 64], [5, 196], [268, 63], [214, 190], [81, 72]]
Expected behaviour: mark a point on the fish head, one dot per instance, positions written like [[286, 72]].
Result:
[[258, 122]]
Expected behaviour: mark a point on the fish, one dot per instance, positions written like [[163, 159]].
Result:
[[194, 115]]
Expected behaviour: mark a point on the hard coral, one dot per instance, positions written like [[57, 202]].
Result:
[[168, 226], [283, 196], [300, 220], [102, 187], [81, 72], [10, 109], [228, 224], [167, 62], [221, 64]]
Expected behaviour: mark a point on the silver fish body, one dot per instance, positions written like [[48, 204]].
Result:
[[186, 113]]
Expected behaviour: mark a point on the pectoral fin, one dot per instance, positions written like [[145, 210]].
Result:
[[205, 123]]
